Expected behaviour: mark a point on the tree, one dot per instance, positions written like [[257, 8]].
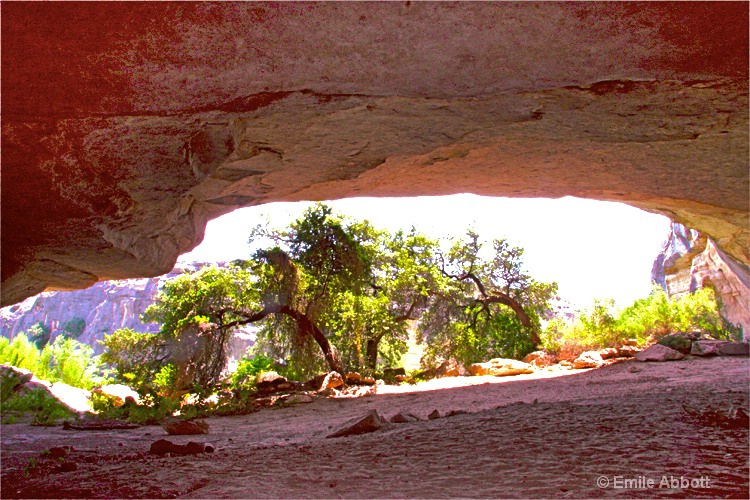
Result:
[[334, 293], [486, 307]]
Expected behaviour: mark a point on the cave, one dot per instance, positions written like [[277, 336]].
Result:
[[127, 126]]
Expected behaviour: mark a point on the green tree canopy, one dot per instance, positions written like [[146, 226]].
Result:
[[336, 293]]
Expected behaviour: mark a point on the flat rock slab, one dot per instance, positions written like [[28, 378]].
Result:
[[719, 348], [360, 425], [162, 447], [658, 352]]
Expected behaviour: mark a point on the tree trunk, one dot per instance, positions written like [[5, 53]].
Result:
[[501, 298], [372, 352], [307, 326]]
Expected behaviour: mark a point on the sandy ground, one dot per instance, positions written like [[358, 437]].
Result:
[[621, 430]]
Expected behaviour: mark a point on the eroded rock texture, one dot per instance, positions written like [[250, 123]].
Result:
[[126, 126], [690, 260]]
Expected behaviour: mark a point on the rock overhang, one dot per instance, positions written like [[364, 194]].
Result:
[[127, 126]]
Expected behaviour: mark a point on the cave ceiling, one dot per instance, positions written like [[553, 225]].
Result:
[[127, 126]]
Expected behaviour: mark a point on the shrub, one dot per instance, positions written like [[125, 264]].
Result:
[[249, 367], [47, 409]]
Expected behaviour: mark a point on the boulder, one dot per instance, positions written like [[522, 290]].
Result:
[[367, 381], [608, 353], [658, 352], [404, 417], [11, 377], [118, 393], [734, 349], [360, 425], [353, 378], [332, 381], [540, 359], [449, 368], [678, 341], [434, 414], [185, 427], [588, 359], [500, 367], [393, 372], [627, 351], [74, 398], [270, 382], [706, 347]]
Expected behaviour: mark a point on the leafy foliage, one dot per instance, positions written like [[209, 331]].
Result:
[[330, 293], [646, 320], [47, 409], [65, 360]]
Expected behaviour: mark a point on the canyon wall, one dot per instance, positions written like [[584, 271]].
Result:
[[690, 260]]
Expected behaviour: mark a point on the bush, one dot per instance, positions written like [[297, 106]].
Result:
[[646, 320], [47, 409], [248, 368], [65, 360]]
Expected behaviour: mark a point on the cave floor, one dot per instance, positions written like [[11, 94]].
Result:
[[629, 429]]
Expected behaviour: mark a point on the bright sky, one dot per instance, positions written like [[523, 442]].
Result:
[[592, 249]]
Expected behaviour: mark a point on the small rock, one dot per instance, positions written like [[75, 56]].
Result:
[[401, 378], [185, 427], [367, 381], [630, 342], [705, 348], [332, 381], [404, 417], [658, 352], [57, 452], [353, 378], [269, 382], [453, 413], [164, 447], [68, 467], [361, 425], [433, 415]]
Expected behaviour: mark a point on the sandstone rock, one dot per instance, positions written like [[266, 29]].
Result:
[[367, 381], [361, 425], [393, 372], [12, 377], [57, 452], [630, 342], [434, 414], [734, 349], [678, 341], [163, 447], [608, 353], [329, 393], [270, 382], [540, 359], [453, 413], [332, 381], [401, 378], [448, 368], [588, 359], [404, 417], [68, 467], [500, 367], [627, 351], [118, 102], [353, 377], [659, 352], [691, 260], [185, 427], [118, 393]]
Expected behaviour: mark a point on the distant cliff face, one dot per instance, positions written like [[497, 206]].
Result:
[[89, 314], [690, 260]]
